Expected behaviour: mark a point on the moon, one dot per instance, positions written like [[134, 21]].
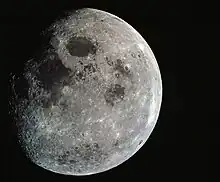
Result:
[[90, 98]]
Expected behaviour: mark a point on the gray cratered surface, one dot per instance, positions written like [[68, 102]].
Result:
[[91, 99]]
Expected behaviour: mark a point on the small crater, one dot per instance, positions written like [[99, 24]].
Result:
[[87, 146], [108, 61], [133, 55], [139, 54], [116, 143], [140, 142], [96, 146], [126, 68], [76, 149], [92, 158], [118, 62], [72, 161], [117, 75]]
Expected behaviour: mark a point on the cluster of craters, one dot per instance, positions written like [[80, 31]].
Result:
[[78, 47], [116, 92]]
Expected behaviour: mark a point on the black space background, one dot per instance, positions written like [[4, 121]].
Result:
[[174, 32]]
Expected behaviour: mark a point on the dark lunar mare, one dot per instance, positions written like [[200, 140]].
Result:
[[115, 93], [44, 66], [80, 47]]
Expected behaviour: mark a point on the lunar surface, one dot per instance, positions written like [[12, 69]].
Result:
[[90, 98]]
